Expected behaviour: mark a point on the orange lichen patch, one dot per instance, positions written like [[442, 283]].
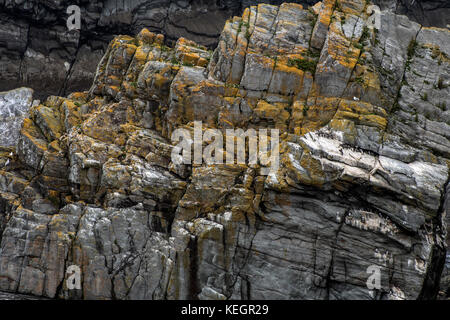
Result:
[[113, 90], [159, 81], [209, 87], [104, 125], [146, 36], [189, 57], [29, 128], [202, 62], [137, 64], [140, 56], [372, 80], [131, 115], [265, 10], [71, 112], [436, 52], [288, 79], [362, 113], [231, 90], [359, 107], [119, 41], [120, 140], [274, 112], [112, 70], [340, 49], [266, 62], [246, 14], [312, 173], [54, 197], [238, 60], [291, 6], [354, 7], [54, 146], [79, 96], [129, 88], [326, 11], [429, 157], [32, 132], [324, 18], [159, 39], [190, 53], [49, 121], [317, 7], [113, 80], [189, 43], [345, 126], [312, 115], [297, 117], [241, 47], [57, 184]]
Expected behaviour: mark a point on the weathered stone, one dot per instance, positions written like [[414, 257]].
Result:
[[14, 106], [363, 177]]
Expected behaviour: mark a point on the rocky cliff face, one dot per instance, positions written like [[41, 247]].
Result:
[[37, 50], [426, 12], [363, 178]]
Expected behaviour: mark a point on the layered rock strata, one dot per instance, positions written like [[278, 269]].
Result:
[[363, 177], [38, 51]]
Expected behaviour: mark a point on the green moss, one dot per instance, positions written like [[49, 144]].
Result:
[[442, 106], [303, 64], [232, 85], [165, 48], [412, 48], [313, 53], [365, 35], [136, 42], [359, 80], [305, 110], [313, 17], [337, 6], [240, 27], [358, 45], [395, 107], [248, 35]]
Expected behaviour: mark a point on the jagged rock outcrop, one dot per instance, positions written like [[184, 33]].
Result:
[[363, 177], [38, 51]]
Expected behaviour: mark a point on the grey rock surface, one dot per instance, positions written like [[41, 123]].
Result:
[[37, 50], [363, 178], [14, 106]]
